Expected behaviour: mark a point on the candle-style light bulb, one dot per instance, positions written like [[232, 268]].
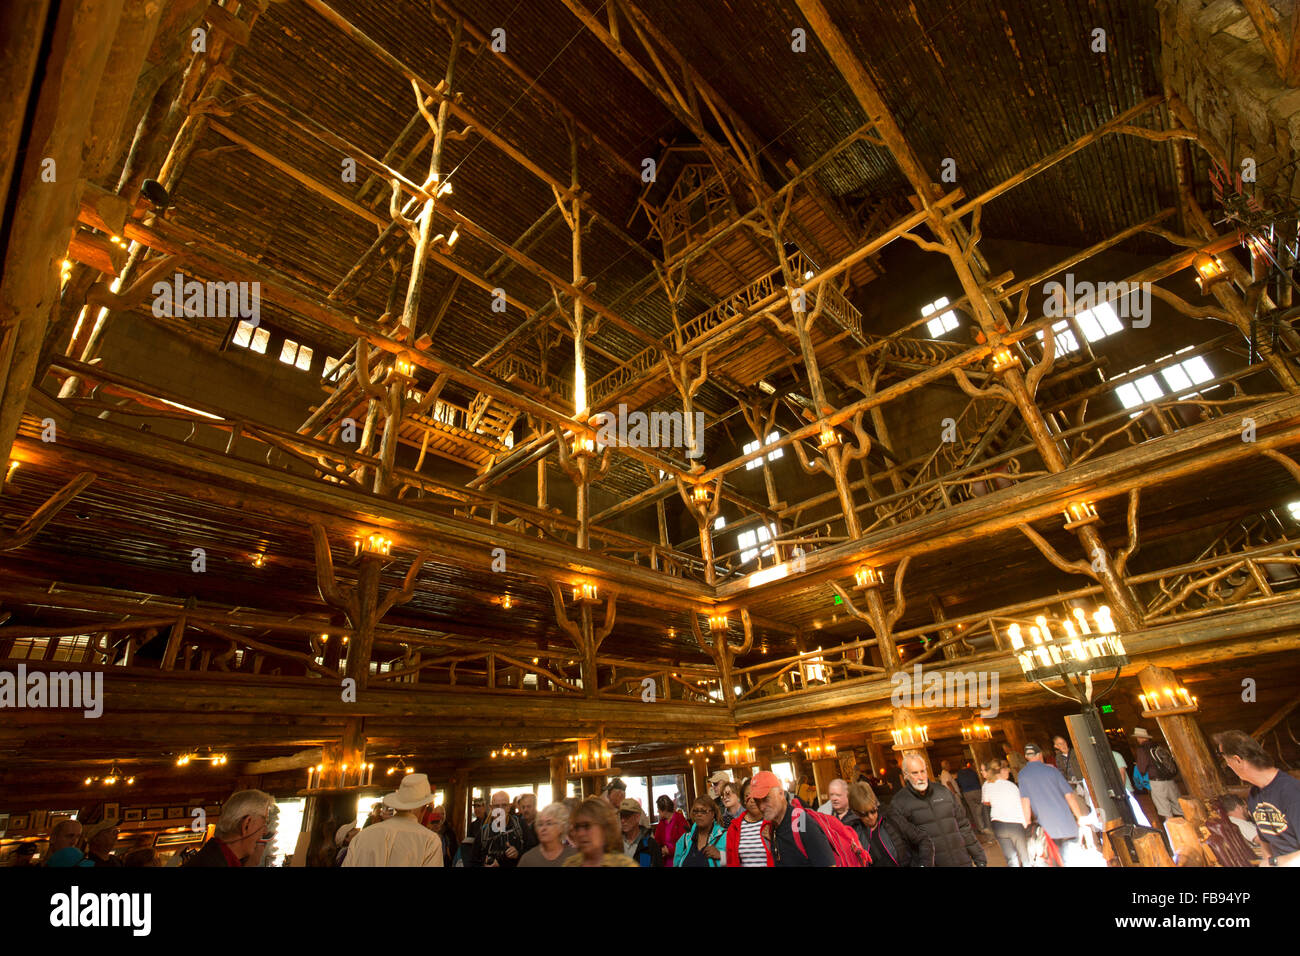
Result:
[[1036, 635], [1082, 618], [1013, 634]]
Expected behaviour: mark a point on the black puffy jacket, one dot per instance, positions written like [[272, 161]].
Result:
[[940, 816]]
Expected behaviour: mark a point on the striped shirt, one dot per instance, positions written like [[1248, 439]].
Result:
[[752, 851]]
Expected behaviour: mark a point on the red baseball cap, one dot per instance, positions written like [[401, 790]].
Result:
[[763, 783]]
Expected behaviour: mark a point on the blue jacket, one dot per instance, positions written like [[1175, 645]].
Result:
[[717, 837]]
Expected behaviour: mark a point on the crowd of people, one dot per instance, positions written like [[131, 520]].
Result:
[[1035, 806]]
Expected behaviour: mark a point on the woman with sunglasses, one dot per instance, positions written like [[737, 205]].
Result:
[[705, 843], [879, 836]]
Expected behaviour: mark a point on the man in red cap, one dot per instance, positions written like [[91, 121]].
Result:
[[767, 790]]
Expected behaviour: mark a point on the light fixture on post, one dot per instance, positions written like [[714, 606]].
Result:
[[586, 592], [259, 560], [701, 495], [717, 622], [583, 445], [506, 602], [404, 367], [1210, 271], [1080, 513], [374, 543], [868, 577], [1169, 702], [828, 438], [1003, 359], [976, 731], [9, 472], [910, 738]]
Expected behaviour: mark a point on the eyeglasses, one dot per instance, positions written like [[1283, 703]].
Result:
[[700, 812]]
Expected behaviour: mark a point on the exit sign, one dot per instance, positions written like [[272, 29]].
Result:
[[838, 599], [1107, 709]]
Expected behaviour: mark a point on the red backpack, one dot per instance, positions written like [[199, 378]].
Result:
[[844, 841]]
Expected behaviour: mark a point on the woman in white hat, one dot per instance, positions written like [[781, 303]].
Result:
[[401, 840]]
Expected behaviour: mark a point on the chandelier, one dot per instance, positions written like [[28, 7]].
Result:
[[1069, 650]]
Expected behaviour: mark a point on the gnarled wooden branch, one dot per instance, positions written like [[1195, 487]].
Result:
[[853, 453], [990, 391], [1121, 559], [818, 464], [101, 296], [1285, 461], [1050, 553], [371, 388], [407, 590], [562, 619], [42, 515], [611, 607], [330, 591], [900, 602], [1043, 365]]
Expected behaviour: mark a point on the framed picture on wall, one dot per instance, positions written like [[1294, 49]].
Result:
[[154, 813], [4, 823], [112, 811], [133, 815], [18, 822], [174, 812]]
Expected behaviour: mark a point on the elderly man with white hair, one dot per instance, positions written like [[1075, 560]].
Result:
[[936, 817], [400, 840], [240, 836]]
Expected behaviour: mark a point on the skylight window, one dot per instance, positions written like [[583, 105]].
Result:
[[772, 455], [719, 522], [296, 354], [1064, 336], [1097, 323], [331, 365], [941, 324], [251, 337], [751, 542], [1294, 508], [1143, 390]]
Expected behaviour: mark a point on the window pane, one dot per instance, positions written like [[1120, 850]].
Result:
[[1128, 395], [1149, 388], [304, 358], [1089, 326], [935, 328], [288, 351], [1198, 370], [243, 334], [260, 338], [1110, 322], [1177, 378], [331, 363], [719, 523]]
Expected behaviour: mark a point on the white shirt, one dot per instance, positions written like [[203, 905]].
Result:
[[1003, 798], [400, 841], [1248, 830]]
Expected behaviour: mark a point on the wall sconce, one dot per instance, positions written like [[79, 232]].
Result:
[[584, 445], [1168, 702], [13, 466], [868, 577], [1080, 513], [259, 560], [976, 731], [585, 592], [506, 603], [374, 543], [819, 751], [508, 752], [404, 367], [1003, 359], [1210, 270], [829, 437], [717, 622]]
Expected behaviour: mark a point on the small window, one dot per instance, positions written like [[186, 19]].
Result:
[[1294, 508], [243, 334], [751, 541], [1145, 389], [331, 364], [772, 455], [260, 338], [1064, 337], [749, 448], [1099, 322], [941, 324], [304, 358], [288, 351], [775, 453], [719, 522]]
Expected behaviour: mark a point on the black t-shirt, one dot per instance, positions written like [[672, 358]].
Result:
[[785, 851], [1276, 812]]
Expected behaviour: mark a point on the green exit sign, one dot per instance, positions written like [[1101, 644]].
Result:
[[838, 599], [1107, 709]]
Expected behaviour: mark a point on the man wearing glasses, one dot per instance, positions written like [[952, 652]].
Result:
[[769, 794], [241, 835], [1274, 798]]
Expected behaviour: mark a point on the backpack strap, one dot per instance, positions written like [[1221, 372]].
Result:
[[796, 826]]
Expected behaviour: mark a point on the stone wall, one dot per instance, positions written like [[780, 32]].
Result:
[[1212, 58]]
